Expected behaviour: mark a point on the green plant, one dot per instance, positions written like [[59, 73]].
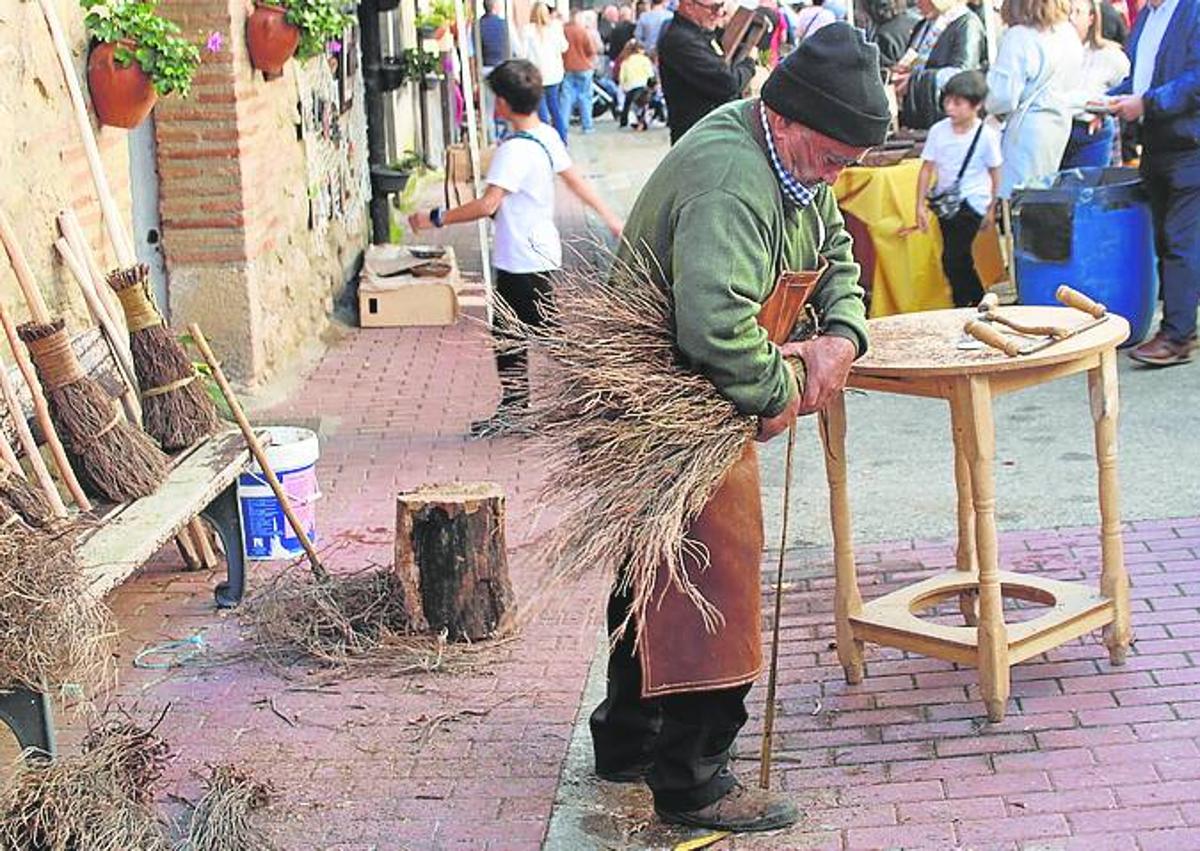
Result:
[[417, 63], [167, 58], [321, 24], [439, 14]]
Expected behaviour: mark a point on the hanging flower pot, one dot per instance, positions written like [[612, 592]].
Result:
[[270, 39], [122, 94]]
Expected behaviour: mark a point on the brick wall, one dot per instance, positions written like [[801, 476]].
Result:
[[42, 159], [240, 257]]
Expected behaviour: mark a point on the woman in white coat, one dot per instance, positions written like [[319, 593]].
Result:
[[1031, 86], [544, 44]]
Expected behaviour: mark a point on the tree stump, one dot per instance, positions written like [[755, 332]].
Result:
[[451, 537]]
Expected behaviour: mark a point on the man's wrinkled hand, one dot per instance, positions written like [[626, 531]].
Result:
[[827, 361], [768, 427], [1130, 108]]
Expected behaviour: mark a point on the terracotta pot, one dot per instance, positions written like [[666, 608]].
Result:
[[270, 39], [122, 94]]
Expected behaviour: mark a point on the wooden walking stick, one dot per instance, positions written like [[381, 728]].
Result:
[[30, 447], [318, 570], [764, 767]]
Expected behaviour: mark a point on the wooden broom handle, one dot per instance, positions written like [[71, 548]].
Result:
[[112, 220], [42, 411], [69, 224], [257, 451], [40, 471], [20, 266], [9, 457]]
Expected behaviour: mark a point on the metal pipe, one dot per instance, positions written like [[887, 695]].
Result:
[[372, 56]]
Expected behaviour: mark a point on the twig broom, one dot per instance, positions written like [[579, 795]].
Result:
[[116, 459]]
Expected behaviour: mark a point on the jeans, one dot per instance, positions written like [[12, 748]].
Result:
[[577, 91], [614, 91], [685, 737], [529, 295], [550, 110], [1172, 180], [1090, 150], [958, 235]]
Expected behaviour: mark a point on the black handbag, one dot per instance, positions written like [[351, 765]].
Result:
[[946, 203]]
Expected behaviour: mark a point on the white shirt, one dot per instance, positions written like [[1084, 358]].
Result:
[[946, 149], [1148, 43], [545, 50], [1103, 68], [526, 237]]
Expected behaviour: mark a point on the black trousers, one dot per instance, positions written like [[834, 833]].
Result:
[[684, 737], [958, 234], [530, 297], [1172, 181]]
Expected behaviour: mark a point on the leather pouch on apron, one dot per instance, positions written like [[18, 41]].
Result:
[[678, 653]]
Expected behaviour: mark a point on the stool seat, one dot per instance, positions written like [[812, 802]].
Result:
[[894, 619]]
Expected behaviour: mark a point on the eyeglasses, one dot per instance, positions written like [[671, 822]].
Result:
[[839, 161], [711, 8]]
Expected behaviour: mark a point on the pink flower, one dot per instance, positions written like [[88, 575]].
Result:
[[333, 46], [215, 43]]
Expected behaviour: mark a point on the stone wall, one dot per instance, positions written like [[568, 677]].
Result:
[[42, 164]]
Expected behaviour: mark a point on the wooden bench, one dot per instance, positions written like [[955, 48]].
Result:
[[202, 483]]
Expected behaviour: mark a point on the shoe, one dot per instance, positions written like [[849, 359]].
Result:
[[741, 810], [631, 774], [1162, 351]]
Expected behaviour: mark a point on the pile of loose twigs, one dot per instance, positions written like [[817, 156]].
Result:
[[222, 819], [53, 633], [636, 442], [98, 799], [355, 622]]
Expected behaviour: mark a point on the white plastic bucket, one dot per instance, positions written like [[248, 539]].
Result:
[[266, 535]]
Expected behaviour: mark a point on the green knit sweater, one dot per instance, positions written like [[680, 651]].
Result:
[[713, 217]]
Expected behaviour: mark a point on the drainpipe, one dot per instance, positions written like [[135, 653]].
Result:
[[380, 76]]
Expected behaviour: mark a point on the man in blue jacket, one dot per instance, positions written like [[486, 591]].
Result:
[[1163, 93]]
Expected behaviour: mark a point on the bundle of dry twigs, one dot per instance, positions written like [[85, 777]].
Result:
[[222, 819], [353, 622], [53, 633], [635, 442], [96, 800], [176, 408], [19, 495]]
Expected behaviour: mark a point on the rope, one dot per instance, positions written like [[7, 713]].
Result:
[[55, 359], [169, 388], [764, 771], [178, 653], [140, 312]]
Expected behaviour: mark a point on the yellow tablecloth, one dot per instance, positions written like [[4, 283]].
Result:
[[908, 267]]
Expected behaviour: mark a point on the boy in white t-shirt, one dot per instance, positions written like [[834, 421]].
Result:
[[960, 134], [520, 195]]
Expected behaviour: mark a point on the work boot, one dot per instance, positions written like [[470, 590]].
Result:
[[741, 810], [1162, 351], [630, 774]]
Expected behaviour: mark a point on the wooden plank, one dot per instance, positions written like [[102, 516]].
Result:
[[96, 359], [129, 538]]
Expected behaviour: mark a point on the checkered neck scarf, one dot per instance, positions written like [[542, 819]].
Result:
[[793, 189]]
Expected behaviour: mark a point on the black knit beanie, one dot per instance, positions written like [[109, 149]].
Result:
[[831, 83]]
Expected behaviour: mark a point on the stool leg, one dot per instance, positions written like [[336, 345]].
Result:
[[1114, 581], [966, 559], [992, 634], [847, 599]]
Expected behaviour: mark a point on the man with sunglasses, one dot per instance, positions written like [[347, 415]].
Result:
[[695, 77], [738, 212]]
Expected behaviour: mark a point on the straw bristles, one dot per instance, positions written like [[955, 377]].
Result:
[[184, 414], [112, 458], [636, 443], [83, 801], [222, 818], [54, 635], [22, 497], [355, 622]]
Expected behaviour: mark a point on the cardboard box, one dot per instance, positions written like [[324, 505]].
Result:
[[390, 300]]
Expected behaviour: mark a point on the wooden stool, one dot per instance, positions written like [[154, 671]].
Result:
[[915, 354]]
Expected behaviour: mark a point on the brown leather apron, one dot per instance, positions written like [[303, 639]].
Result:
[[678, 653]]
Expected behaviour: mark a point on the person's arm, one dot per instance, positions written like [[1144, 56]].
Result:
[[705, 71], [1008, 75], [1181, 94], [990, 219], [480, 208], [587, 193], [721, 272], [840, 299], [924, 181]]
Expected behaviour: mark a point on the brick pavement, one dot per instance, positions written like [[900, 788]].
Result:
[[1089, 756]]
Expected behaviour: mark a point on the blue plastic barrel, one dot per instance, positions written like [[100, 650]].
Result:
[[1092, 230]]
